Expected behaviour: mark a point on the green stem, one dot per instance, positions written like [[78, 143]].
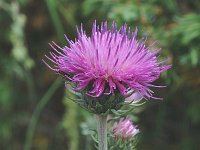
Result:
[[40, 106], [53, 10], [102, 131]]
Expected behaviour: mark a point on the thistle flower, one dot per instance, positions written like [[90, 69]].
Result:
[[125, 129], [108, 62]]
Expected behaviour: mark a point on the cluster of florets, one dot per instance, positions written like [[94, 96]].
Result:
[[108, 61], [125, 129]]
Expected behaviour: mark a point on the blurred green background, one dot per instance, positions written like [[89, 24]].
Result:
[[29, 90]]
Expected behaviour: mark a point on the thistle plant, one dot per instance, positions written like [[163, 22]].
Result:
[[107, 70]]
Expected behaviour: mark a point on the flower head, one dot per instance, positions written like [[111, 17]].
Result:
[[125, 129], [108, 62]]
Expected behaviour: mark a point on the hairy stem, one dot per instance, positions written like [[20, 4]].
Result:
[[102, 131]]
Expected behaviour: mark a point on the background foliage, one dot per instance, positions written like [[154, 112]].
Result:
[[28, 89]]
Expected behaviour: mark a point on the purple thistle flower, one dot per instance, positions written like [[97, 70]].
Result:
[[107, 61], [125, 129]]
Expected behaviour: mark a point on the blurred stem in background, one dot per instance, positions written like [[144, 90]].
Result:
[[53, 11], [19, 50], [36, 114], [72, 113], [24, 63]]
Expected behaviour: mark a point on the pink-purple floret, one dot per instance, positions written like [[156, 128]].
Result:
[[125, 129], [107, 61]]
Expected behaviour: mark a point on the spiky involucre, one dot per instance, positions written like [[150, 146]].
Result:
[[108, 61]]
